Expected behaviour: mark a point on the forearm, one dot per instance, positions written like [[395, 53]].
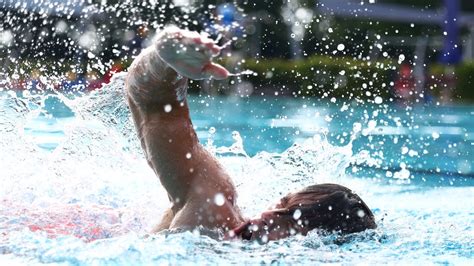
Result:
[[167, 139], [162, 119]]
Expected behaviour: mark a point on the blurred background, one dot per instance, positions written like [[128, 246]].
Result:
[[376, 95], [406, 51]]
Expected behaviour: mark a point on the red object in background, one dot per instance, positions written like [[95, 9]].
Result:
[[116, 68], [18, 85], [405, 83], [89, 223], [93, 82]]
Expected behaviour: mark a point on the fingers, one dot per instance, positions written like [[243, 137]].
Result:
[[190, 53], [202, 43], [210, 45], [186, 37], [215, 71], [215, 50]]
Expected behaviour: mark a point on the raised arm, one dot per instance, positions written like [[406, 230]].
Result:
[[153, 77], [156, 89]]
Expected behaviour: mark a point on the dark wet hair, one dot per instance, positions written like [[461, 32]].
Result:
[[330, 207]]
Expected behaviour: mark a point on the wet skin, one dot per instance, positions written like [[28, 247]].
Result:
[[156, 93], [192, 177], [273, 225]]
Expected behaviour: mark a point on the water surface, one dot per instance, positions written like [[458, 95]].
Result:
[[77, 190]]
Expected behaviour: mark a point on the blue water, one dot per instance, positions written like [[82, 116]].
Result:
[[64, 155]]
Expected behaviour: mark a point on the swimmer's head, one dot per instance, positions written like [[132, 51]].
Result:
[[329, 207]]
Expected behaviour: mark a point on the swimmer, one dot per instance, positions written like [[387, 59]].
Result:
[[201, 192]]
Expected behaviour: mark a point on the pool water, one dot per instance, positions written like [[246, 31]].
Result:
[[77, 190]]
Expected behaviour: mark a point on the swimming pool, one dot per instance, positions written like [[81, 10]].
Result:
[[76, 189]]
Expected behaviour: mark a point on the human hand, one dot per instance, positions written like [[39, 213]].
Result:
[[190, 53]]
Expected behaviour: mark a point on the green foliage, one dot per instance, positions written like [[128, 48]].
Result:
[[343, 77], [460, 76], [465, 81], [323, 76]]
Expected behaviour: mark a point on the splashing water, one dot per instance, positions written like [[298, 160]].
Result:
[[92, 198], [243, 73]]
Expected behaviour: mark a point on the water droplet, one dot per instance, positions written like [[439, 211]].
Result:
[[404, 150], [401, 58], [292, 231], [371, 124], [219, 199], [297, 214], [254, 227], [357, 127], [378, 100], [360, 213]]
